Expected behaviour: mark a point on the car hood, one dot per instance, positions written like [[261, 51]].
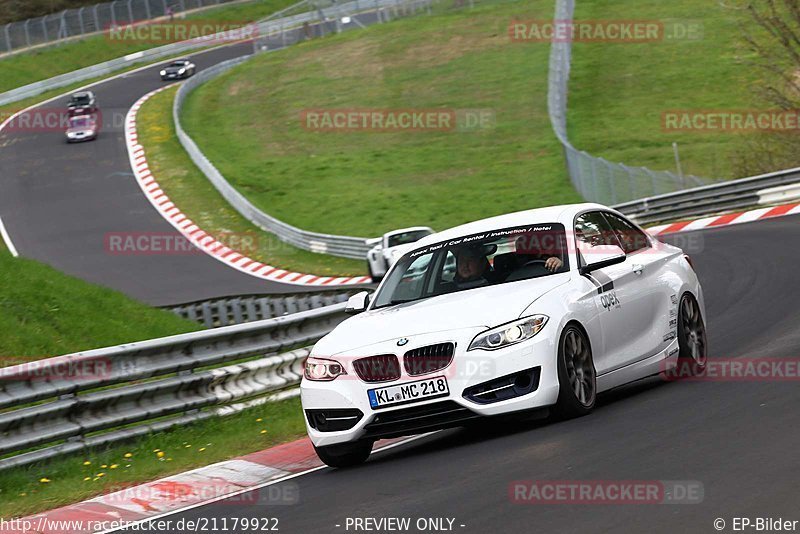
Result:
[[82, 129], [485, 307], [173, 69]]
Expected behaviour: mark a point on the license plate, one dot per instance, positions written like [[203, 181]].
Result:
[[430, 388]]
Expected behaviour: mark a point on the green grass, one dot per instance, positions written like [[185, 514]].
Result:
[[248, 123], [23, 493], [619, 91], [190, 190], [44, 313], [42, 63]]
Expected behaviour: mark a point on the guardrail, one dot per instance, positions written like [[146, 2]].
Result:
[[725, 196], [87, 20], [245, 309], [336, 245], [276, 22], [69, 403], [597, 179]]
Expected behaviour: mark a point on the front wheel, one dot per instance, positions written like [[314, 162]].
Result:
[[345, 454], [577, 378]]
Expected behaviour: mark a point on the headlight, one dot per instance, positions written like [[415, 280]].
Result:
[[322, 370], [181, 71], [509, 334], [163, 73]]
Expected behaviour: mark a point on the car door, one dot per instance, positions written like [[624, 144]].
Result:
[[621, 300], [657, 294]]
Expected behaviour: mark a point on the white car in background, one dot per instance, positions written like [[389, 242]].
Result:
[[568, 301], [390, 247]]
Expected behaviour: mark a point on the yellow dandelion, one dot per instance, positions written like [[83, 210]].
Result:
[[114, 466], [100, 475], [187, 446], [201, 449], [128, 455], [259, 420], [87, 478], [263, 431], [103, 466], [160, 454], [169, 459], [156, 450], [23, 494], [87, 462], [44, 480]]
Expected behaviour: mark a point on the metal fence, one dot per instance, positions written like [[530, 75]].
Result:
[[91, 19], [595, 178], [295, 14], [69, 403], [245, 309], [279, 34]]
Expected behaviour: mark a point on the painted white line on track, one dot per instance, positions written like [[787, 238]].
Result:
[[7, 239]]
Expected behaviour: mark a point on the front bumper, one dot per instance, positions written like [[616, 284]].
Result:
[[345, 400]]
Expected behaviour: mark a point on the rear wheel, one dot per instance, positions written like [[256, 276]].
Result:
[[345, 454], [577, 378], [693, 353]]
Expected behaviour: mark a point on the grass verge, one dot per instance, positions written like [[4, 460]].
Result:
[[191, 191], [40, 487], [364, 183], [44, 313], [42, 63], [618, 91]]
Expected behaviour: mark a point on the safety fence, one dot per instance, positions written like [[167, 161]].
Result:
[[96, 18], [595, 178], [69, 403], [298, 14]]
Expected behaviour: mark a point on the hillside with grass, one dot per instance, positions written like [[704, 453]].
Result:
[[249, 123], [618, 91], [44, 313]]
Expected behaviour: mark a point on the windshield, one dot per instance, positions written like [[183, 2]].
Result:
[[79, 122], [80, 100], [178, 64], [479, 260], [404, 238]]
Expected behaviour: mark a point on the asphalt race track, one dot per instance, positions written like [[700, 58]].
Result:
[[740, 440]]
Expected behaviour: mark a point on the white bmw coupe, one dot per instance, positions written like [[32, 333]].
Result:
[[541, 309]]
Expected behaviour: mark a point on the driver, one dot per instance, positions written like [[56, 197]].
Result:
[[527, 251], [472, 268]]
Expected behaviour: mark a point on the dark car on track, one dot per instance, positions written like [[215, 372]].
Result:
[[82, 103], [178, 70]]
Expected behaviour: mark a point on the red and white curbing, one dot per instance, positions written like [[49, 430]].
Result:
[[242, 481], [195, 234], [717, 221]]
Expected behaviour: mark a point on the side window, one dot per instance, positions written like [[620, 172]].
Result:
[[632, 238], [592, 229]]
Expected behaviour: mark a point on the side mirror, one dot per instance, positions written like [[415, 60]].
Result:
[[601, 256], [357, 303]]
